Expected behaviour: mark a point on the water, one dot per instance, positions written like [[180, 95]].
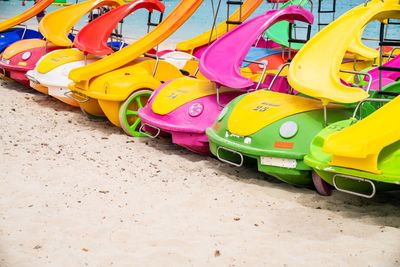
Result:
[[135, 24]]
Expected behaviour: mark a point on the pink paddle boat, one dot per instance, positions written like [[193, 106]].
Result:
[[186, 107]]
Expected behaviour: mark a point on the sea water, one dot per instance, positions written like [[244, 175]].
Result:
[[135, 25]]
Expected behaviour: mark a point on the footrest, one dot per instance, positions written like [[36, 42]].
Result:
[[357, 179], [388, 93], [233, 22], [221, 158], [389, 68], [239, 3]]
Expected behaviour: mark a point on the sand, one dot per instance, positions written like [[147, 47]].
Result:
[[75, 192]]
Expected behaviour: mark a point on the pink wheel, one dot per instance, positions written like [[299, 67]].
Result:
[[323, 188]]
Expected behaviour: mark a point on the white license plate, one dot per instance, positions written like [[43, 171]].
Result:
[[279, 162]]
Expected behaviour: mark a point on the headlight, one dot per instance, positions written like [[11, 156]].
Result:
[[26, 55], [247, 140], [223, 113], [196, 109], [288, 129]]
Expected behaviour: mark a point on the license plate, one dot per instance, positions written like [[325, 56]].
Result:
[[279, 162]]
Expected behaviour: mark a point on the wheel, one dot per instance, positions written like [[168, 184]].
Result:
[[93, 117], [128, 112], [322, 187]]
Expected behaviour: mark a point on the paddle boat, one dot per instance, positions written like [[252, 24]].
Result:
[[11, 30], [116, 86], [360, 156], [276, 129], [93, 42], [22, 56], [185, 107]]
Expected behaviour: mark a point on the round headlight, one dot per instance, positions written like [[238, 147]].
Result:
[[288, 129], [26, 55], [223, 113], [196, 109]]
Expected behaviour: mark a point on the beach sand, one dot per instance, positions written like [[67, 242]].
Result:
[[76, 192]]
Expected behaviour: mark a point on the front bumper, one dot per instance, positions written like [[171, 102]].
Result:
[[298, 175]]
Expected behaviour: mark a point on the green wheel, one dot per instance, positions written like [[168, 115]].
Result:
[[128, 112]]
